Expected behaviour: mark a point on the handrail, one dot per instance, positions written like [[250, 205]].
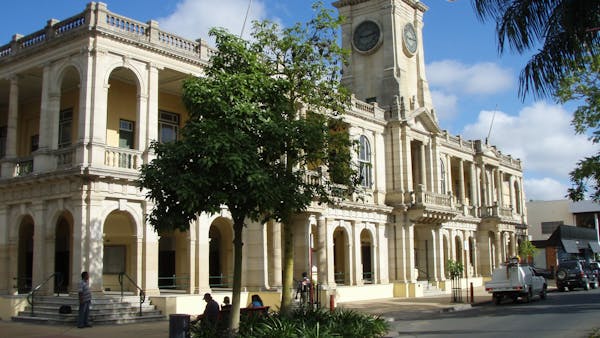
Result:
[[31, 295], [142, 293]]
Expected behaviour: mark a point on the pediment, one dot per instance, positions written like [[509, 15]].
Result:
[[422, 119]]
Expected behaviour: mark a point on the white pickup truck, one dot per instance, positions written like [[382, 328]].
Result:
[[513, 280]]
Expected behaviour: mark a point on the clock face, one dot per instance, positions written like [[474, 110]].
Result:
[[410, 38], [366, 36]]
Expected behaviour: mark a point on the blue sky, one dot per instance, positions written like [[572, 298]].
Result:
[[471, 83]]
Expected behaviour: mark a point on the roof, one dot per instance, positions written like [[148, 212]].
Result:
[[584, 206], [572, 239]]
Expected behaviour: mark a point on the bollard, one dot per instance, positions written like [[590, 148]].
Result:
[[331, 303], [179, 326], [472, 300]]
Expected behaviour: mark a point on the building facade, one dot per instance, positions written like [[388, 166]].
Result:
[[82, 98]]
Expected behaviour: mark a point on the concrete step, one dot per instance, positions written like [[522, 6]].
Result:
[[104, 310]]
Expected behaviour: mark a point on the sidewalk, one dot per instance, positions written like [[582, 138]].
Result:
[[392, 308]]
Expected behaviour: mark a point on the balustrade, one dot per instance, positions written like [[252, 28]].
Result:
[[123, 158], [97, 18]]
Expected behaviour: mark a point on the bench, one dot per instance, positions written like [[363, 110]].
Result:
[[246, 311]]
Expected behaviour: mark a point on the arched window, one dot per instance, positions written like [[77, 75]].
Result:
[[364, 162], [442, 176]]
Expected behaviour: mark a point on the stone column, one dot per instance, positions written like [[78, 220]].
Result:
[[461, 181], [203, 250], [356, 254], [191, 251], [475, 257], [381, 251], [150, 252], [410, 254], [98, 109], [434, 259], [475, 202], [49, 117], [513, 245], [423, 167], [8, 167], [255, 266], [449, 179], [499, 249], [39, 244], [498, 184], [440, 253], [276, 257], [323, 267], [486, 187], [95, 243], [5, 275]]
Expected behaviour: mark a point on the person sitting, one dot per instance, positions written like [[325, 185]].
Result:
[[211, 312], [226, 304], [256, 302]]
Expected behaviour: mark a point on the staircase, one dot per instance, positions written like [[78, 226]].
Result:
[[105, 310]]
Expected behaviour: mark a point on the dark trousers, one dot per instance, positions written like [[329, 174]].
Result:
[[84, 314]]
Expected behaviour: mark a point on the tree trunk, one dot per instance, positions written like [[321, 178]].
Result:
[[288, 267], [234, 319]]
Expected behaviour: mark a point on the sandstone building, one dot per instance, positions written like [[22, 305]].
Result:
[[82, 98]]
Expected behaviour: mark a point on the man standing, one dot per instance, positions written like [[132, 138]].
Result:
[[85, 299]]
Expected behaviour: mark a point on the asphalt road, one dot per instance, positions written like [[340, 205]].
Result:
[[562, 314]]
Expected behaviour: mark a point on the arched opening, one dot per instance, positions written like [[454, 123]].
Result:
[[62, 252], [364, 162], [367, 256], [122, 126], [442, 177], [25, 259], [220, 247], [68, 118], [340, 257], [458, 245], [173, 259], [120, 251]]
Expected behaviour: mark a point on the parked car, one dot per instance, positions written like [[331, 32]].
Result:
[[573, 274], [514, 281], [594, 267], [546, 273]]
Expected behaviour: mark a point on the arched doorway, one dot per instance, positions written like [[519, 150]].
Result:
[[340, 257], [62, 252], [120, 251], [220, 248], [366, 254], [25, 256]]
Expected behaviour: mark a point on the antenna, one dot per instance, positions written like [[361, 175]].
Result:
[[246, 18], [491, 124]]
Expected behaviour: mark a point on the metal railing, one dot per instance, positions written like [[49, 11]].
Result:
[[174, 282], [220, 281], [142, 293], [58, 282]]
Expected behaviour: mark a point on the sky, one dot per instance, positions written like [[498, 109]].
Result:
[[474, 89]]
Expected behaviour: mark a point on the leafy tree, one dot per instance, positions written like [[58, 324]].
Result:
[[581, 85], [567, 31], [527, 250], [565, 66], [259, 120]]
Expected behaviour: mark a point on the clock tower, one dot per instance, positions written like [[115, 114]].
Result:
[[386, 63]]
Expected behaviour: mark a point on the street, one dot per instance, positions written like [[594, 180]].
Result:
[[568, 314]]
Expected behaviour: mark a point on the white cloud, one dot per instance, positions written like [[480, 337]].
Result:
[[193, 19], [542, 137], [445, 105], [481, 78], [544, 189]]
